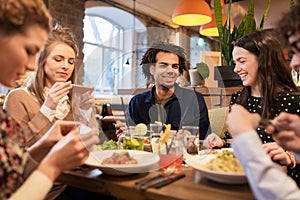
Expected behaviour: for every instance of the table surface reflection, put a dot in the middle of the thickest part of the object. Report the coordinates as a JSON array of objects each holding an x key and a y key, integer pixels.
[{"x": 193, "y": 186}]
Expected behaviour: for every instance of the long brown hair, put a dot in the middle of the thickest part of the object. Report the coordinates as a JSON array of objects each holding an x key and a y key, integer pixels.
[
  {"x": 274, "y": 75},
  {"x": 37, "y": 82}
]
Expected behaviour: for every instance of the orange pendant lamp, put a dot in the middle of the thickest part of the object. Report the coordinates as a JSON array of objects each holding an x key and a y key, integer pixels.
[
  {"x": 210, "y": 29},
  {"x": 192, "y": 13}
]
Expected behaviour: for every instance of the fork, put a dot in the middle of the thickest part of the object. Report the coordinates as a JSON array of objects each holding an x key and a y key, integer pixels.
[
  {"x": 163, "y": 176},
  {"x": 266, "y": 122}
]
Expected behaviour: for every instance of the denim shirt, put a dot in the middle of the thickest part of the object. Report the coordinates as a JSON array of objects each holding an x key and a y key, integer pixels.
[{"x": 185, "y": 107}]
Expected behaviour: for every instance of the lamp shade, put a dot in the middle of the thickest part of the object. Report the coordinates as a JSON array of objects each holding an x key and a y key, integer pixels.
[
  {"x": 191, "y": 13},
  {"x": 210, "y": 29}
]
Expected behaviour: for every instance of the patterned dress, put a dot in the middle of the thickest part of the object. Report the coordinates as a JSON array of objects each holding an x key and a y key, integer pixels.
[
  {"x": 289, "y": 103},
  {"x": 13, "y": 155}
]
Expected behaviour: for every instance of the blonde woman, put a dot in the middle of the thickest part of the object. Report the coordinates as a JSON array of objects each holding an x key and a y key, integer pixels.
[{"x": 48, "y": 95}]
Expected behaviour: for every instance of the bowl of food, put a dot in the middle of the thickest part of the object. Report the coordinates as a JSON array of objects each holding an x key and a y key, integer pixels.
[
  {"x": 218, "y": 165},
  {"x": 123, "y": 162}
]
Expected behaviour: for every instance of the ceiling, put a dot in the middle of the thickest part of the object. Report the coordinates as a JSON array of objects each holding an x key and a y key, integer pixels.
[{"x": 161, "y": 10}]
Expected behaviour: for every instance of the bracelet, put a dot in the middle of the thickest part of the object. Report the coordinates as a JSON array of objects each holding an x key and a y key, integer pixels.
[
  {"x": 293, "y": 161},
  {"x": 224, "y": 143}
]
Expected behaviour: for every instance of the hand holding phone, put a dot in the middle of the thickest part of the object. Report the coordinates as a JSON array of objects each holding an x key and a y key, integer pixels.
[
  {"x": 83, "y": 129},
  {"x": 81, "y": 89}
]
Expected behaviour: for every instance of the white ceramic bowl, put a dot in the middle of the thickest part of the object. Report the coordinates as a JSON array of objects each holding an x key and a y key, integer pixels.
[
  {"x": 147, "y": 161},
  {"x": 197, "y": 162}
]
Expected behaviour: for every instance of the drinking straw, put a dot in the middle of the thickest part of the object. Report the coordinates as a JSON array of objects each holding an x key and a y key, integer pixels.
[{"x": 170, "y": 145}]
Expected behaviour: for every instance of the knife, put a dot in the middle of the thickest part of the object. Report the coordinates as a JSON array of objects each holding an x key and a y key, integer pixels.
[
  {"x": 147, "y": 180},
  {"x": 166, "y": 182}
]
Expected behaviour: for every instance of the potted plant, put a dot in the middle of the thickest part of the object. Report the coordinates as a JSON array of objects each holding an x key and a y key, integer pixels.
[{"x": 224, "y": 74}]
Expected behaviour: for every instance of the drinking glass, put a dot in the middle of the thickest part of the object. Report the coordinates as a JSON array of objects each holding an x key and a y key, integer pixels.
[
  {"x": 133, "y": 142},
  {"x": 130, "y": 140},
  {"x": 190, "y": 136},
  {"x": 155, "y": 129},
  {"x": 170, "y": 154}
]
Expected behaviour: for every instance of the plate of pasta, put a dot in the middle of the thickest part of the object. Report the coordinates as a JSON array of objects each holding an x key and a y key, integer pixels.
[{"x": 218, "y": 165}]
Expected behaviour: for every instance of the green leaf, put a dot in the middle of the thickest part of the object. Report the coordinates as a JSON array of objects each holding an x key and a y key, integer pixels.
[
  {"x": 265, "y": 16},
  {"x": 202, "y": 69},
  {"x": 218, "y": 17},
  {"x": 247, "y": 25},
  {"x": 292, "y": 4}
]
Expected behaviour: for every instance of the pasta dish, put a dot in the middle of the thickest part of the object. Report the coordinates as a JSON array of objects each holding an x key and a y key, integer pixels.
[{"x": 225, "y": 161}]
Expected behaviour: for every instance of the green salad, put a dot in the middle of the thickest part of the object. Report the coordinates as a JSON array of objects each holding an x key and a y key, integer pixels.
[{"x": 106, "y": 145}]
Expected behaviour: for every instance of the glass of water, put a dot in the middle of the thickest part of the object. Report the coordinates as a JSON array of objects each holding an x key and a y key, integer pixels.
[{"x": 190, "y": 136}]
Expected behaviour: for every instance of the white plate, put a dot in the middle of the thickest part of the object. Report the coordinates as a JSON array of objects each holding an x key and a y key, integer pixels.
[
  {"x": 197, "y": 162},
  {"x": 146, "y": 162}
]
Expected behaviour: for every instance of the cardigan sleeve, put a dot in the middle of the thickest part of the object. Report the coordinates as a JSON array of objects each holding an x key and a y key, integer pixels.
[{"x": 26, "y": 111}]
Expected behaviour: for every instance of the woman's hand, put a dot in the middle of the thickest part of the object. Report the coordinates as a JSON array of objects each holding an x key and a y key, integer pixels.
[
  {"x": 57, "y": 92},
  {"x": 277, "y": 153},
  {"x": 59, "y": 129},
  {"x": 86, "y": 100},
  {"x": 289, "y": 135},
  {"x": 70, "y": 151},
  {"x": 120, "y": 128},
  {"x": 213, "y": 140},
  {"x": 239, "y": 120}
]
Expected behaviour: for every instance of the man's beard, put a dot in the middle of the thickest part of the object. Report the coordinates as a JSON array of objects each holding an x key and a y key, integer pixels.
[{"x": 171, "y": 85}]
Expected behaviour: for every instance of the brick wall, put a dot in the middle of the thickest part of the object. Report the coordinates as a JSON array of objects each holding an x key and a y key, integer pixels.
[{"x": 70, "y": 13}]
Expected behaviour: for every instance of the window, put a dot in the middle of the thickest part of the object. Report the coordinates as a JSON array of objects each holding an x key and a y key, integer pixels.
[
  {"x": 103, "y": 47},
  {"x": 109, "y": 39},
  {"x": 113, "y": 37},
  {"x": 197, "y": 45}
]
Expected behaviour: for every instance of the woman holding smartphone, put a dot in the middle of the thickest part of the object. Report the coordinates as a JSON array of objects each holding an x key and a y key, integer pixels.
[{"x": 48, "y": 95}]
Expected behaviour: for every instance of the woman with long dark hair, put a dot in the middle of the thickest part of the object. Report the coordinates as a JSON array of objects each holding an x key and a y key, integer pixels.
[{"x": 268, "y": 90}]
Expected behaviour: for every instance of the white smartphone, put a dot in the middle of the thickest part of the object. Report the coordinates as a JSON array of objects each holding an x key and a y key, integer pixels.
[
  {"x": 83, "y": 129},
  {"x": 82, "y": 89}
]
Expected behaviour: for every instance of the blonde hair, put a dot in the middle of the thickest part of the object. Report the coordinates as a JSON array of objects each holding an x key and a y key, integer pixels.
[
  {"x": 17, "y": 15},
  {"x": 37, "y": 82}
]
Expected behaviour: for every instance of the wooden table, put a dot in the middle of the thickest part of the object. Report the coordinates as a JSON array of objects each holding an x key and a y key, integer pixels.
[{"x": 193, "y": 186}]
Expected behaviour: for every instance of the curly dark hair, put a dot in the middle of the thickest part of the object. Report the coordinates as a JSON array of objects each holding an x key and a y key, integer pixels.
[
  {"x": 289, "y": 23},
  {"x": 149, "y": 57},
  {"x": 273, "y": 74}
]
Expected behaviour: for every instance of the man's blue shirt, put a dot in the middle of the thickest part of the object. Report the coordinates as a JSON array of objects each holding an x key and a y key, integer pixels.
[{"x": 185, "y": 107}]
